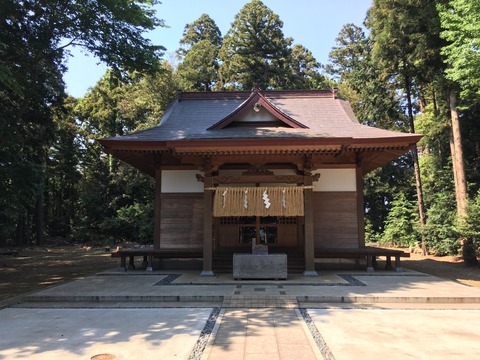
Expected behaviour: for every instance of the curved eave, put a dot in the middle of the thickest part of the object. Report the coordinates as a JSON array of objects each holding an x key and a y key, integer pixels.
[
  {"x": 118, "y": 144},
  {"x": 212, "y": 145},
  {"x": 373, "y": 153}
]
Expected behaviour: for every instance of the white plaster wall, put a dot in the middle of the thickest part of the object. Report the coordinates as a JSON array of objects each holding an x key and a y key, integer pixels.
[
  {"x": 181, "y": 181},
  {"x": 185, "y": 181},
  {"x": 336, "y": 180}
]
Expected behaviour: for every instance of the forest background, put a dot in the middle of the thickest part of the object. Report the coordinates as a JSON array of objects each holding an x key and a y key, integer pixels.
[{"x": 412, "y": 66}]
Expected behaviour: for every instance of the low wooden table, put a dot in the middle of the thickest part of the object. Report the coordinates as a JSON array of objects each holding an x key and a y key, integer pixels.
[
  {"x": 369, "y": 252},
  {"x": 149, "y": 254}
]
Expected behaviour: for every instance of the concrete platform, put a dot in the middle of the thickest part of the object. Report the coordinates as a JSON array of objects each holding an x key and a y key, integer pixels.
[{"x": 180, "y": 315}]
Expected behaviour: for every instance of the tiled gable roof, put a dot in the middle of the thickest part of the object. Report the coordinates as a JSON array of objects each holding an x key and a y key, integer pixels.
[
  {"x": 289, "y": 122},
  {"x": 309, "y": 113}
]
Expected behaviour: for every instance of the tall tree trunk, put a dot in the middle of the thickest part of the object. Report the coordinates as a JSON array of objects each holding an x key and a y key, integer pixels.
[
  {"x": 39, "y": 221},
  {"x": 20, "y": 236},
  {"x": 468, "y": 249},
  {"x": 39, "y": 199},
  {"x": 416, "y": 166},
  {"x": 457, "y": 159}
]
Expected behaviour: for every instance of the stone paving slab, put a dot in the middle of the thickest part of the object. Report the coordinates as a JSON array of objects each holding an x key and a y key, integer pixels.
[
  {"x": 259, "y": 333},
  {"x": 399, "y": 334},
  {"x": 50, "y": 334}
]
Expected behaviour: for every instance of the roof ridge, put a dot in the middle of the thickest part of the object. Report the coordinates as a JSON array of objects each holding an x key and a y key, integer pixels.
[{"x": 192, "y": 95}]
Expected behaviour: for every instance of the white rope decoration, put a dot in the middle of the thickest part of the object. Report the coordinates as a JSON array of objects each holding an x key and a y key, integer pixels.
[
  {"x": 259, "y": 201},
  {"x": 223, "y": 198},
  {"x": 266, "y": 200}
]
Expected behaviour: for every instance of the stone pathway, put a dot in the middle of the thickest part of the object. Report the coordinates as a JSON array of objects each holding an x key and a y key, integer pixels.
[{"x": 259, "y": 333}]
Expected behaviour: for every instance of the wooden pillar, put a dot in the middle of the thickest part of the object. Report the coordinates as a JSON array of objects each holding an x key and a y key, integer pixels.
[
  {"x": 207, "y": 226},
  {"x": 309, "y": 240},
  {"x": 157, "y": 209},
  {"x": 360, "y": 207}
]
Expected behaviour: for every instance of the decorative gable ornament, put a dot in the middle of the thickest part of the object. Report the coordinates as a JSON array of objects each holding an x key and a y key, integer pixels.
[{"x": 257, "y": 102}]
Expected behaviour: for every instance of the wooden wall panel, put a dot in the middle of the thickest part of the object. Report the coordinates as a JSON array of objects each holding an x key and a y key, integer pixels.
[
  {"x": 287, "y": 235},
  {"x": 335, "y": 220},
  {"x": 228, "y": 236},
  {"x": 182, "y": 221}
]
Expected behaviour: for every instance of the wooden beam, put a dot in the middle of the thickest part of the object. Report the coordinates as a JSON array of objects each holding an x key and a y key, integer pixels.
[
  {"x": 207, "y": 226},
  {"x": 309, "y": 239},
  {"x": 243, "y": 179},
  {"x": 360, "y": 206},
  {"x": 157, "y": 209}
]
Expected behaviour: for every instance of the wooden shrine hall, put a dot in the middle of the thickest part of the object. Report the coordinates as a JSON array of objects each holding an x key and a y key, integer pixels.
[{"x": 282, "y": 169}]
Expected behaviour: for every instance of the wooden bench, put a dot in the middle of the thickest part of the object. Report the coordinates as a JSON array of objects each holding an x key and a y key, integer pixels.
[
  {"x": 149, "y": 254},
  {"x": 369, "y": 253}
]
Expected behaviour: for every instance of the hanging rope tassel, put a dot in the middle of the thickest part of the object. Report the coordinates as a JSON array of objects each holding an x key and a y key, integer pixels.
[{"x": 258, "y": 201}]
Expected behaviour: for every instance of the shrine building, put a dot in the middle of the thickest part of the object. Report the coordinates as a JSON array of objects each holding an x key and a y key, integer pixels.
[{"x": 282, "y": 169}]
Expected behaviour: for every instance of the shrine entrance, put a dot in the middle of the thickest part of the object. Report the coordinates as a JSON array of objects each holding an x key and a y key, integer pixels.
[
  {"x": 249, "y": 216},
  {"x": 275, "y": 213},
  {"x": 239, "y": 233}
]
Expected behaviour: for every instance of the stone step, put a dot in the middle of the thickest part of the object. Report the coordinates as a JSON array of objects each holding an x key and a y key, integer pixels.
[
  {"x": 251, "y": 300},
  {"x": 368, "y": 299},
  {"x": 124, "y": 298}
]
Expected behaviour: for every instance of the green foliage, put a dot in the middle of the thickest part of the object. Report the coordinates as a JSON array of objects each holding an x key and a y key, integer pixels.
[
  {"x": 401, "y": 223},
  {"x": 460, "y": 21},
  {"x": 434, "y": 125},
  {"x": 469, "y": 229},
  {"x": 137, "y": 222},
  {"x": 374, "y": 101},
  {"x": 406, "y": 39},
  {"x": 306, "y": 71},
  {"x": 116, "y": 201},
  {"x": 471, "y": 146},
  {"x": 254, "y": 51},
  {"x": 199, "y": 50},
  {"x": 39, "y": 160},
  {"x": 63, "y": 175},
  {"x": 371, "y": 235},
  {"x": 440, "y": 231},
  {"x": 202, "y": 29},
  {"x": 143, "y": 98},
  {"x": 380, "y": 189},
  {"x": 199, "y": 69},
  {"x": 111, "y": 30}
]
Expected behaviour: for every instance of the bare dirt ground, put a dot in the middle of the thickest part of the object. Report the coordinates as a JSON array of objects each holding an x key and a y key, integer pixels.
[
  {"x": 24, "y": 270},
  {"x": 447, "y": 267}
]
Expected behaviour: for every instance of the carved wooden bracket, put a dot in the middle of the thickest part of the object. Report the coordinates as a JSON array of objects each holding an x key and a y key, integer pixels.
[
  {"x": 308, "y": 165},
  {"x": 207, "y": 166},
  {"x": 258, "y": 169},
  {"x": 249, "y": 179}
]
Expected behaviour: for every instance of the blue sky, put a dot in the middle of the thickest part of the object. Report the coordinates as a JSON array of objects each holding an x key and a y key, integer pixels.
[{"x": 312, "y": 23}]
